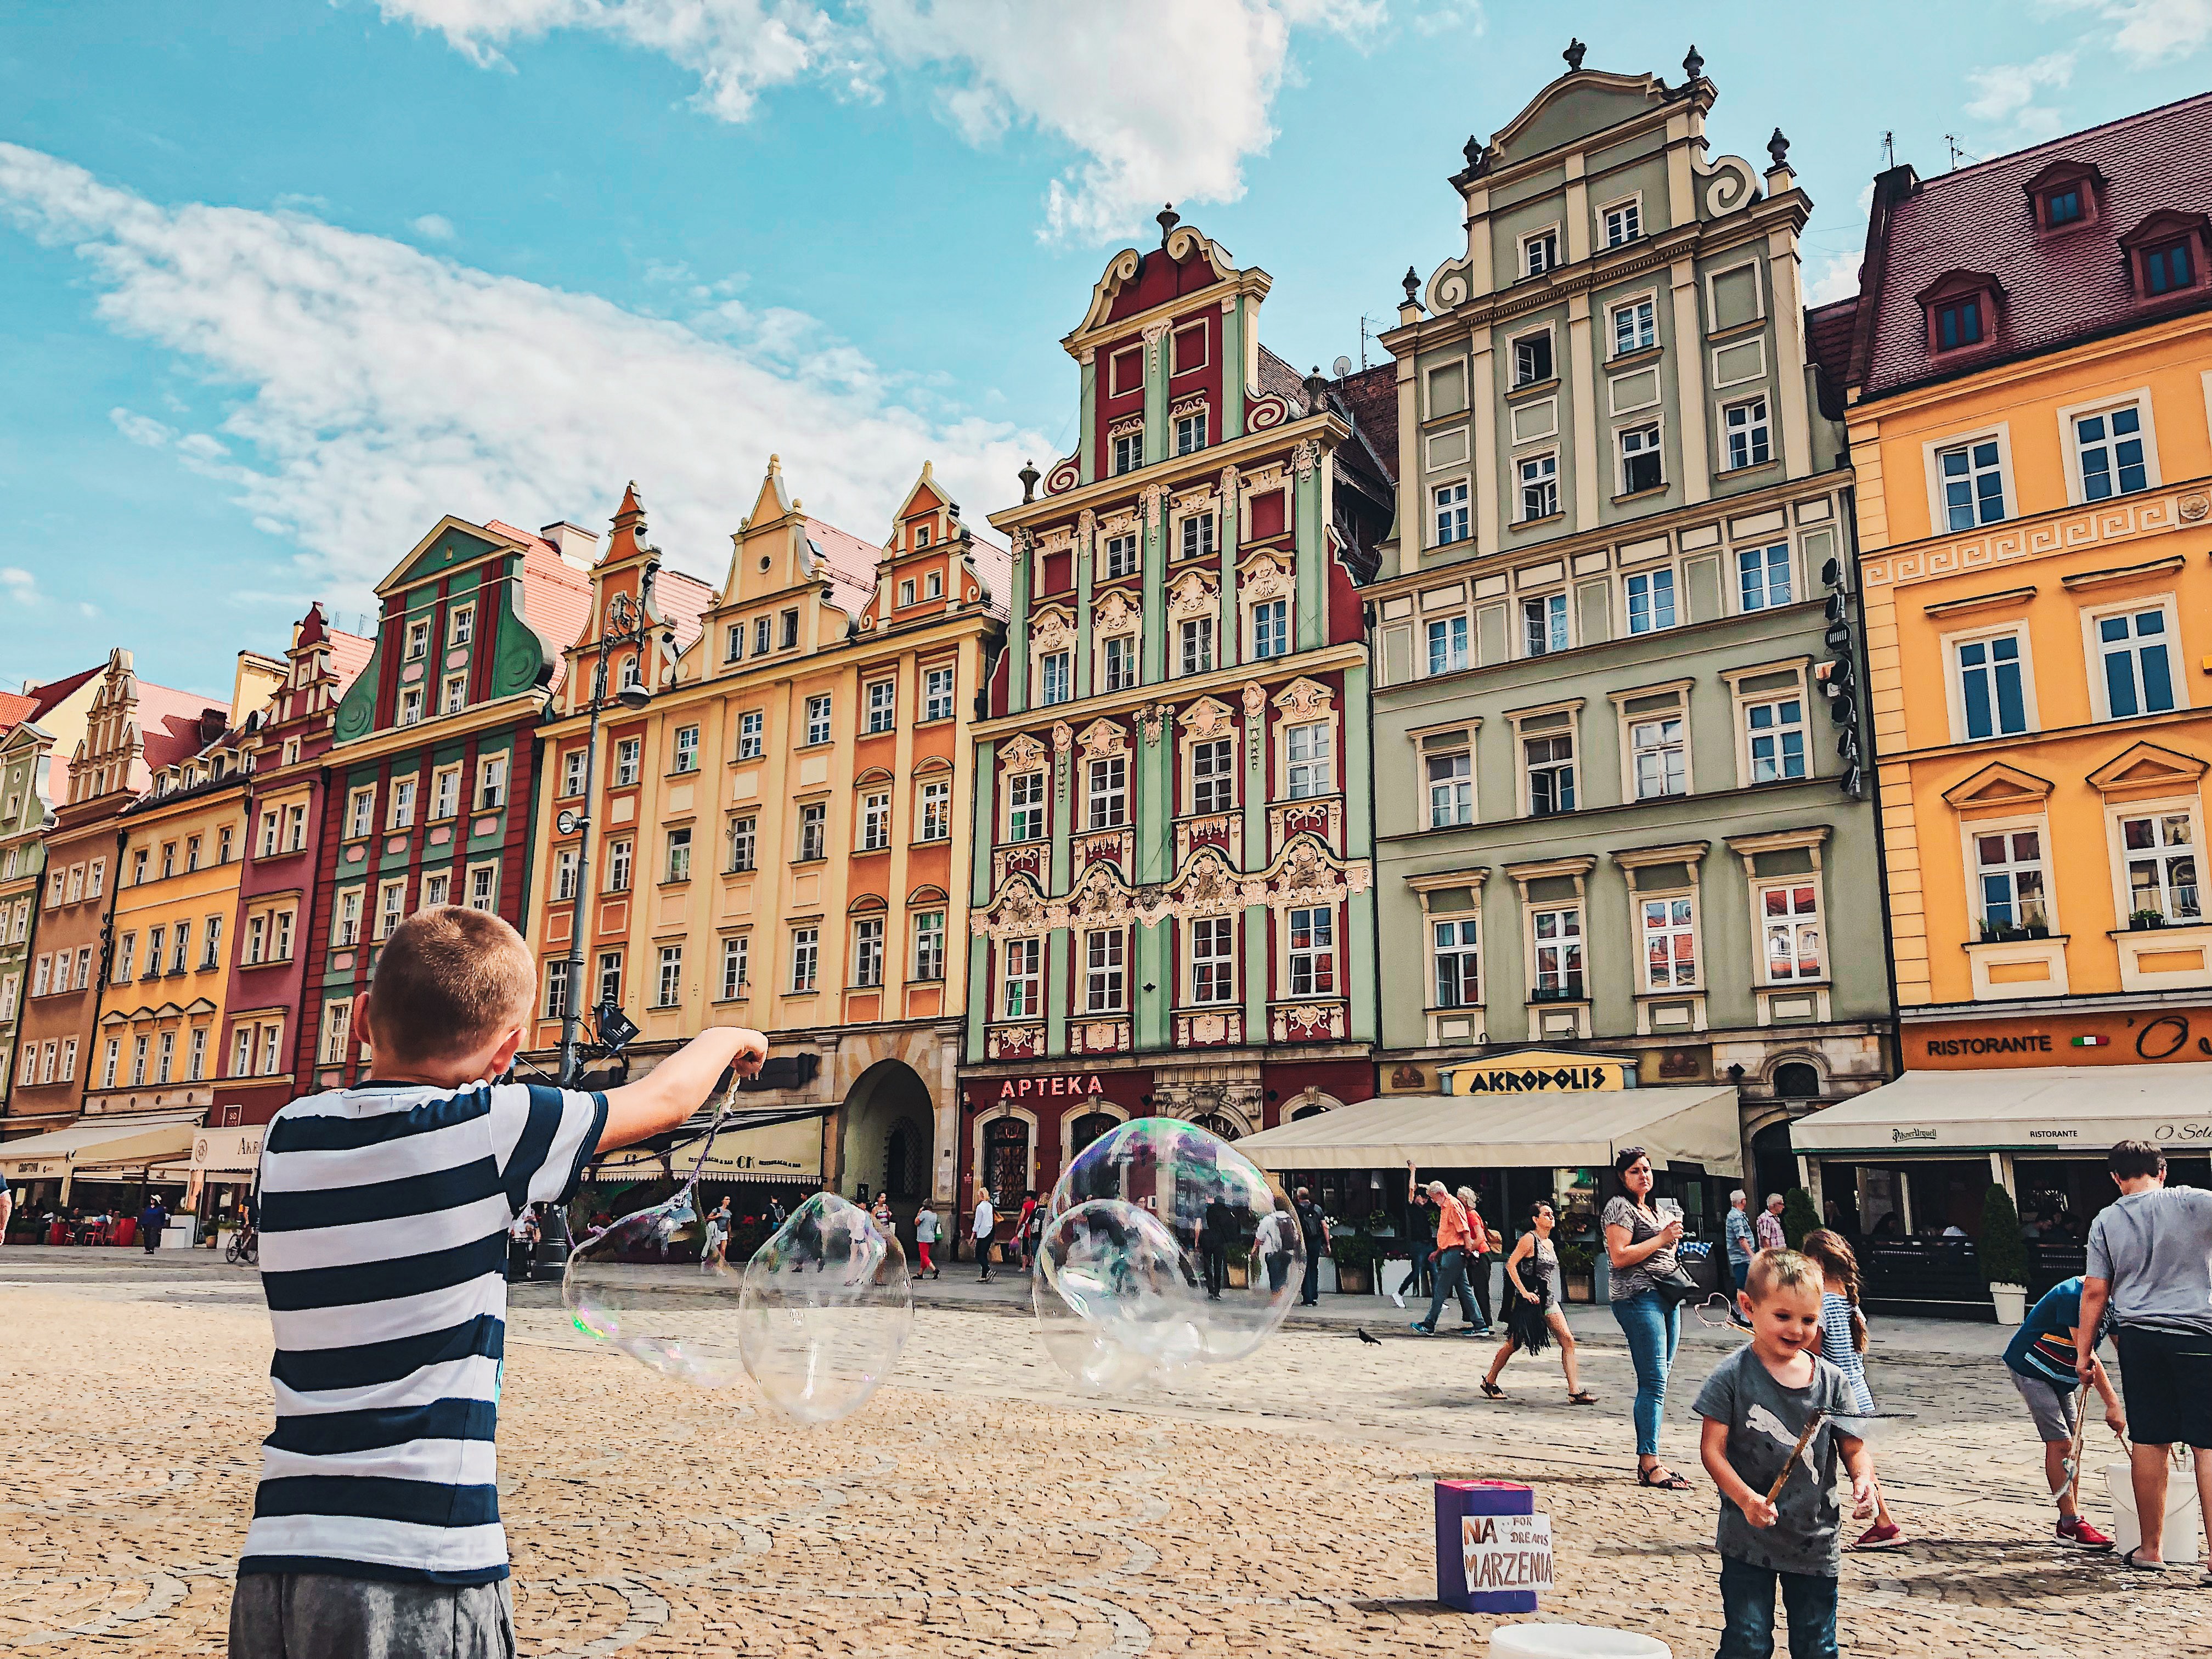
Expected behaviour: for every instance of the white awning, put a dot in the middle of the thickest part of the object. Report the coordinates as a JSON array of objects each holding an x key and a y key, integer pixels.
[
  {"x": 137, "y": 1139},
  {"x": 2060, "y": 1110},
  {"x": 231, "y": 1152},
  {"x": 789, "y": 1151},
  {"x": 1568, "y": 1130}
]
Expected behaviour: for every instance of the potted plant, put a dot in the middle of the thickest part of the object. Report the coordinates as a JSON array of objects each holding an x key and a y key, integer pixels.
[
  {"x": 1800, "y": 1216},
  {"x": 1576, "y": 1264},
  {"x": 2140, "y": 919},
  {"x": 1355, "y": 1254},
  {"x": 1239, "y": 1266},
  {"x": 2002, "y": 1255}
]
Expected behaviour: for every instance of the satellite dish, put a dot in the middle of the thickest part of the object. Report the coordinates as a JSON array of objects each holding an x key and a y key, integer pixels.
[{"x": 1341, "y": 366}]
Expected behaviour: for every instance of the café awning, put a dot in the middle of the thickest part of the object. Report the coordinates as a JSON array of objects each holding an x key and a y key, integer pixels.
[
  {"x": 139, "y": 1139},
  {"x": 2057, "y": 1110},
  {"x": 1570, "y": 1129},
  {"x": 787, "y": 1147}
]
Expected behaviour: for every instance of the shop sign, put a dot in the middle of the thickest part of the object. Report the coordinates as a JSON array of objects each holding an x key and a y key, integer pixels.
[
  {"x": 1028, "y": 1088},
  {"x": 773, "y": 1151},
  {"x": 39, "y": 1169},
  {"x": 1536, "y": 1071},
  {"x": 2103, "y": 1039},
  {"x": 228, "y": 1152}
]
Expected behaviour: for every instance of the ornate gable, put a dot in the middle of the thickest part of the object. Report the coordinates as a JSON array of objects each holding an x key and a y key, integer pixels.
[
  {"x": 2146, "y": 769},
  {"x": 1304, "y": 699},
  {"x": 1209, "y": 717},
  {"x": 1998, "y": 789}
]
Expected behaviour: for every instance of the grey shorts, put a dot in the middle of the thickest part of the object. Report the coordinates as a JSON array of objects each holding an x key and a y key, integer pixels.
[
  {"x": 318, "y": 1615},
  {"x": 2052, "y": 1409}
]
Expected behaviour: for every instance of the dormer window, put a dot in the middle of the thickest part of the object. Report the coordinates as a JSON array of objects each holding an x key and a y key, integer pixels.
[
  {"x": 2166, "y": 269},
  {"x": 1958, "y": 323},
  {"x": 2066, "y": 195},
  {"x": 2063, "y": 207},
  {"x": 2166, "y": 253},
  {"x": 1962, "y": 311},
  {"x": 921, "y": 535}
]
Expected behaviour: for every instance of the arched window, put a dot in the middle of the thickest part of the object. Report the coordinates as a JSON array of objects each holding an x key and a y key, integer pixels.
[
  {"x": 1088, "y": 1128},
  {"x": 906, "y": 1154},
  {"x": 1313, "y": 1110},
  {"x": 1796, "y": 1081},
  {"x": 1215, "y": 1124},
  {"x": 1006, "y": 1161}
]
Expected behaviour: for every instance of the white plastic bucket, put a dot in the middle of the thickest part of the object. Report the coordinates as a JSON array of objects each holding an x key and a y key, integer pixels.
[
  {"x": 1573, "y": 1642},
  {"x": 2184, "y": 1529}
]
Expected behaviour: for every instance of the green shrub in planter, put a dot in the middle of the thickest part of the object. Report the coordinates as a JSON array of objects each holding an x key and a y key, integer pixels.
[
  {"x": 1354, "y": 1250},
  {"x": 1576, "y": 1261},
  {"x": 2001, "y": 1250},
  {"x": 1800, "y": 1216}
]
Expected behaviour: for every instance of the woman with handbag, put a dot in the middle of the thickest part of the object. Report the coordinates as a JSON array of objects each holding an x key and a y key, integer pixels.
[
  {"x": 1533, "y": 1318},
  {"x": 1646, "y": 1283}
]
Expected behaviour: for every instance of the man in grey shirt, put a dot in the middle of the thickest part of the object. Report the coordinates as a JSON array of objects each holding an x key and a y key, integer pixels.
[{"x": 2150, "y": 1259}]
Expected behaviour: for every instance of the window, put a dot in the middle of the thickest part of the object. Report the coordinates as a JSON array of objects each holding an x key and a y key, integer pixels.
[
  {"x": 929, "y": 945},
  {"x": 390, "y": 905},
  {"x": 361, "y": 806},
  {"x": 790, "y": 634},
  {"x": 736, "y": 967},
  {"x": 157, "y": 939},
  {"x": 1451, "y": 508},
  {"x": 338, "y": 1023},
  {"x": 296, "y": 832},
  {"x": 1544, "y": 624},
  {"x": 733, "y": 643},
  {"x": 1214, "y": 775},
  {"x": 618, "y": 863},
  {"x": 2061, "y": 207},
  {"x": 669, "y": 990},
  {"x": 1019, "y": 979},
  {"x": 1108, "y": 792},
  {"x": 1539, "y": 252},
  {"x": 882, "y": 704},
  {"x": 1025, "y": 806},
  {"x": 1972, "y": 477},
  {"x": 348, "y": 931},
  {"x": 906, "y": 591},
  {"x": 818, "y": 720},
  {"x": 1458, "y": 962},
  {"x": 126, "y": 957},
  {"x": 1559, "y": 939},
  {"x": 1213, "y": 960},
  {"x": 1128, "y": 452},
  {"x": 1624, "y": 223},
  {"x": 1992, "y": 697},
  {"x": 1639, "y": 460},
  {"x": 211, "y": 942},
  {"x": 452, "y": 694},
  {"x": 1745, "y": 427},
  {"x": 2110, "y": 446},
  {"x": 2138, "y": 675},
  {"x": 2167, "y": 269},
  {"x": 1059, "y": 683},
  {"x": 1791, "y": 913},
  {"x": 565, "y": 870},
  {"x": 169, "y": 867},
  {"x": 1650, "y": 601},
  {"x": 744, "y": 845},
  {"x": 1532, "y": 358},
  {"x": 932, "y": 584},
  {"x": 937, "y": 694},
  {"x": 1307, "y": 749},
  {"x": 1270, "y": 627},
  {"x": 687, "y": 748},
  {"x": 2162, "y": 856},
  {"x": 1540, "y": 487},
  {"x": 95, "y": 879},
  {"x": 410, "y": 706},
  {"x": 1198, "y": 536},
  {"x": 1658, "y": 757},
  {"x": 110, "y": 1064},
  {"x": 1188, "y": 345},
  {"x": 1102, "y": 976},
  {"x": 556, "y": 1006},
  {"x": 1121, "y": 556},
  {"x": 445, "y": 793},
  {"x": 762, "y": 642},
  {"x": 491, "y": 783},
  {"x": 483, "y": 886},
  {"x": 418, "y": 638},
  {"x": 1776, "y": 734},
  {"x": 165, "y": 1056},
  {"x": 679, "y": 854},
  {"x": 137, "y": 871},
  {"x": 1190, "y": 433},
  {"x": 1959, "y": 323},
  {"x": 936, "y": 811},
  {"x": 1125, "y": 371},
  {"x": 2009, "y": 879},
  {"x": 191, "y": 854},
  {"x": 611, "y": 978},
  {"x": 750, "y": 726},
  {"x": 921, "y": 535},
  {"x": 1635, "y": 327},
  {"x": 629, "y": 761},
  {"x": 1763, "y": 576},
  {"x": 806, "y": 957},
  {"x": 1670, "y": 944},
  {"x": 1550, "y": 764},
  {"x": 401, "y": 812},
  {"x": 196, "y": 1066},
  {"x": 437, "y": 889},
  {"x": 138, "y": 1047},
  {"x": 875, "y": 822},
  {"x": 1196, "y": 642},
  {"x": 813, "y": 831},
  {"x": 1450, "y": 777},
  {"x": 1121, "y": 663}
]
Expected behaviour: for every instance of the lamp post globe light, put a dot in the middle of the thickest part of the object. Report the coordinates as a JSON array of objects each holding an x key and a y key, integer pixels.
[{"x": 627, "y": 624}]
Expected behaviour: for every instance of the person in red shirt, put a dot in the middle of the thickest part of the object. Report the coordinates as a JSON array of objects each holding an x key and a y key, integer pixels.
[{"x": 1452, "y": 1238}]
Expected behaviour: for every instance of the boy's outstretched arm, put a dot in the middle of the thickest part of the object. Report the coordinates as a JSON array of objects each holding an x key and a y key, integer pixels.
[
  {"x": 1712, "y": 1452},
  {"x": 673, "y": 1090}
]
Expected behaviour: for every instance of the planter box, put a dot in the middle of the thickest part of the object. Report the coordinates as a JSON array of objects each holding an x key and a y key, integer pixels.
[
  {"x": 1577, "y": 1287},
  {"x": 1354, "y": 1280},
  {"x": 1239, "y": 1275}
]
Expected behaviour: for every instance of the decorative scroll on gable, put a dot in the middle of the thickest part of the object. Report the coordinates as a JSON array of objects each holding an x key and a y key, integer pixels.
[
  {"x": 1209, "y": 717},
  {"x": 1023, "y": 753},
  {"x": 1116, "y": 615},
  {"x": 1304, "y": 699},
  {"x": 1194, "y": 594},
  {"x": 1052, "y": 630},
  {"x": 1102, "y": 737}
]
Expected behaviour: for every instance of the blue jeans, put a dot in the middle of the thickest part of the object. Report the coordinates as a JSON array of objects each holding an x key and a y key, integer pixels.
[
  {"x": 1451, "y": 1279},
  {"x": 1748, "y": 1613},
  {"x": 1654, "y": 1329},
  {"x": 1736, "y": 1269}
]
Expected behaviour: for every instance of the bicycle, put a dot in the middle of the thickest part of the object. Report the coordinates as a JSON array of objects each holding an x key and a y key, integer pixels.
[{"x": 245, "y": 1246}]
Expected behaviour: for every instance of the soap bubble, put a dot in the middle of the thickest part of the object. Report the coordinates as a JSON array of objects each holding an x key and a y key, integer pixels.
[
  {"x": 1224, "y": 1220},
  {"x": 1118, "y": 1301},
  {"x": 826, "y": 1307},
  {"x": 646, "y": 1285}
]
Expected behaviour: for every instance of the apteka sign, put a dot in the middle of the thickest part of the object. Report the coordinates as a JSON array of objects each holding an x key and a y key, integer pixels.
[{"x": 1506, "y": 1551}]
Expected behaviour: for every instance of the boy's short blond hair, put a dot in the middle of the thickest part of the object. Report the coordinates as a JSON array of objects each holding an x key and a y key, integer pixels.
[
  {"x": 448, "y": 981},
  {"x": 1776, "y": 1270}
]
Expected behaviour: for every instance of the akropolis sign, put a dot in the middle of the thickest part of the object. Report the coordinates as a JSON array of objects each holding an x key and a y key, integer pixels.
[{"x": 1536, "y": 1071}]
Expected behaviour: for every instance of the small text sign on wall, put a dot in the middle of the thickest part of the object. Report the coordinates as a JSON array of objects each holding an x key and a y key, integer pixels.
[
  {"x": 1537, "y": 1071},
  {"x": 1506, "y": 1551}
]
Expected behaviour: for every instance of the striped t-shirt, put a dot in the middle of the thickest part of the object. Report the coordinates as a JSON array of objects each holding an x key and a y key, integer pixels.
[{"x": 383, "y": 1216}]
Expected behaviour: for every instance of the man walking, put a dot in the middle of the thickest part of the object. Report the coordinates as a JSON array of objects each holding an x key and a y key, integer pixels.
[
  {"x": 1217, "y": 1232},
  {"x": 1452, "y": 1236},
  {"x": 1314, "y": 1227},
  {"x": 2150, "y": 1264},
  {"x": 1769, "y": 1227},
  {"x": 1737, "y": 1232},
  {"x": 986, "y": 1221},
  {"x": 152, "y": 1221}
]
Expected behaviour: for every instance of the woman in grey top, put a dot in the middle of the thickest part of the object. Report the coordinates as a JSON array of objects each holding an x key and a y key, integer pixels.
[
  {"x": 1534, "y": 1319},
  {"x": 1639, "y": 1246}
]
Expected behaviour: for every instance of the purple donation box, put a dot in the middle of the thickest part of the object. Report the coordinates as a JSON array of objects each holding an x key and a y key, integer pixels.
[{"x": 1493, "y": 1550}]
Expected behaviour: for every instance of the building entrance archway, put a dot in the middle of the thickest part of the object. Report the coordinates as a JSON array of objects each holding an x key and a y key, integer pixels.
[{"x": 884, "y": 1138}]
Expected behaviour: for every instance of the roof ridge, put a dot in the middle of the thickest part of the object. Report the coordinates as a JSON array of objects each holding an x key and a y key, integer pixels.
[{"x": 2012, "y": 156}]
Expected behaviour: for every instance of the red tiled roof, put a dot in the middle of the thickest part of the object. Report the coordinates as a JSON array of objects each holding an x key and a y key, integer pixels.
[
  {"x": 681, "y": 600},
  {"x": 556, "y": 597},
  {"x": 1828, "y": 331},
  {"x": 1276, "y": 379},
  {"x": 50, "y": 696},
  {"x": 1372, "y": 395},
  {"x": 349, "y": 654},
  {"x": 2058, "y": 286},
  {"x": 994, "y": 568},
  {"x": 849, "y": 565},
  {"x": 169, "y": 722},
  {"x": 16, "y": 708}
]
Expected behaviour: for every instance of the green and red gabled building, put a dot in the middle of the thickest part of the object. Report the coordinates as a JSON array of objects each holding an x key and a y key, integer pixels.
[{"x": 433, "y": 767}]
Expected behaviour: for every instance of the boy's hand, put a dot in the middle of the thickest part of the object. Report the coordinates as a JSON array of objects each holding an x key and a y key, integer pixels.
[
  {"x": 2116, "y": 1421},
  {"x": 1757, "y": 1511},
  {"x": 1864, "y": 1494},
  {"x": 752, "y": 1051}
]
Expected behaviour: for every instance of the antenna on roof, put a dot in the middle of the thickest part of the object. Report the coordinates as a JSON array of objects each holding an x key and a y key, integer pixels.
[
  {"x": 1888, "y": 149},
  {"x": 1957, "y": 153},
  {"x": 1341, "y": 367},
  {"x": 1366, "y": 333}
]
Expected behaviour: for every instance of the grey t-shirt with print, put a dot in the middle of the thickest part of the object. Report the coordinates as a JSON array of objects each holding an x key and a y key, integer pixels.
[
  {"x": 1763, "y": 1420},
  {"x": 2154, "y": 1248}
]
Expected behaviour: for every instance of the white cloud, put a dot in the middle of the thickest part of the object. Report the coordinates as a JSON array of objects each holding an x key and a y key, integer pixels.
[
  {"x": 2006, "y": 95},
  {"x": 434, "y": 226},
  {"x": 1446, "y": 16},
  {"x": 2149, "y": 31},
  {"x": 380, "y": 386},
  {"x": 19, "y": 585},
  {"x": 1171, "y": 97},
  {"x": 1836, "y": 276}
]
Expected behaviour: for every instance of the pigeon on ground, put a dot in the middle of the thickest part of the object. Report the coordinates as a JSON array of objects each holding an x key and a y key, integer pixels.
[{"x": 1372, "y": 1341}]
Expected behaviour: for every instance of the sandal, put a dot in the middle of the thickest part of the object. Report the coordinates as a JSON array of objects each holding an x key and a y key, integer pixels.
[
  {"x": 1582, "y": 1397},
  {"x": 2129, "y": 1560},
  {"x": 1492, "y": 1389},
  {"x": 1672, "y": 1482}
]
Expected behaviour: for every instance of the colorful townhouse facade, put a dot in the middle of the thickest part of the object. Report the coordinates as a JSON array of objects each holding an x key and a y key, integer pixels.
[
  {"x": 1170, "y": 888},
  {"x": 432, "y": 769},
  {"x": 2030, "y": 371},
  {"x": 1612, "y": 805},
  {"x": 777, "y": 837}
]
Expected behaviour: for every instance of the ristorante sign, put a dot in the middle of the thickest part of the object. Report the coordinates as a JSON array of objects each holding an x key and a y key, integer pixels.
[
  {"x": 2116, "y": 1038},
  {"x": 1537, "y": 1072}
]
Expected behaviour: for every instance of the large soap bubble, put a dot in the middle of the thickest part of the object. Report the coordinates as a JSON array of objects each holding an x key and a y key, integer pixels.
[
  {"x": 825, "y": 1308},
  {"x": 651, "y": 1287},
  {"x": 1225, "y": 1222}
]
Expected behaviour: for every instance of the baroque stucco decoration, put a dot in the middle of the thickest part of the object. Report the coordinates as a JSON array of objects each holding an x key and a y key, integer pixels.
[
  {"x": 1209, "y": 717},
  {"x": 1194, "y": 595},
  {"x": 1116, "y": 616},
  {"x": 1303, "y": 873}
]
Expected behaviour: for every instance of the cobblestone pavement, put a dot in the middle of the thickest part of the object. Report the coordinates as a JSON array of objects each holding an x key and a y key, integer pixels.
[{"x": 1280, "y": 1507}]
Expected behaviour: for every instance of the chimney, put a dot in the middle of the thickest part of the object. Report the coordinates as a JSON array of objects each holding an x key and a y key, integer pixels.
[{"x": 577, "y": 545}]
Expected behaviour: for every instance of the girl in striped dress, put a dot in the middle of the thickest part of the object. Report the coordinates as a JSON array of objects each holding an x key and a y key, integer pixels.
[{"x": 1843, "y": 1344}]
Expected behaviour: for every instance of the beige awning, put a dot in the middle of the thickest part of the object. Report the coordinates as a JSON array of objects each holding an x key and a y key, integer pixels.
[
  {"x": 2059, "y": 1110},
  {"x": 231, "y": 1152},
  {"x": 770, "y": 1152},
  {"x": 1568, "y": 1130},
  {"x": 137, "y": 1139}
]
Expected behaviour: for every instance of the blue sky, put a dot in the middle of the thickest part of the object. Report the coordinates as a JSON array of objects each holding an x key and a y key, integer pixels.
[{"x": 286, "y": 281}]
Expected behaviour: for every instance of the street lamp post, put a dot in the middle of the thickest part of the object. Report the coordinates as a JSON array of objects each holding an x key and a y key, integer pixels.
[{"x": 626, "y": 624}]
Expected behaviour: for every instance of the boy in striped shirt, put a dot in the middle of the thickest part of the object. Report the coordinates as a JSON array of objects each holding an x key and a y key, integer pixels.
[{"x": 384, "y": 1210}]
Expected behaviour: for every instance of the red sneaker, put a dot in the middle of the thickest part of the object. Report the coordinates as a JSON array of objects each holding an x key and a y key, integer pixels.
[
  {"x": 2078, "y": 1534},
  {"x": 1881, "y": 1537}
]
